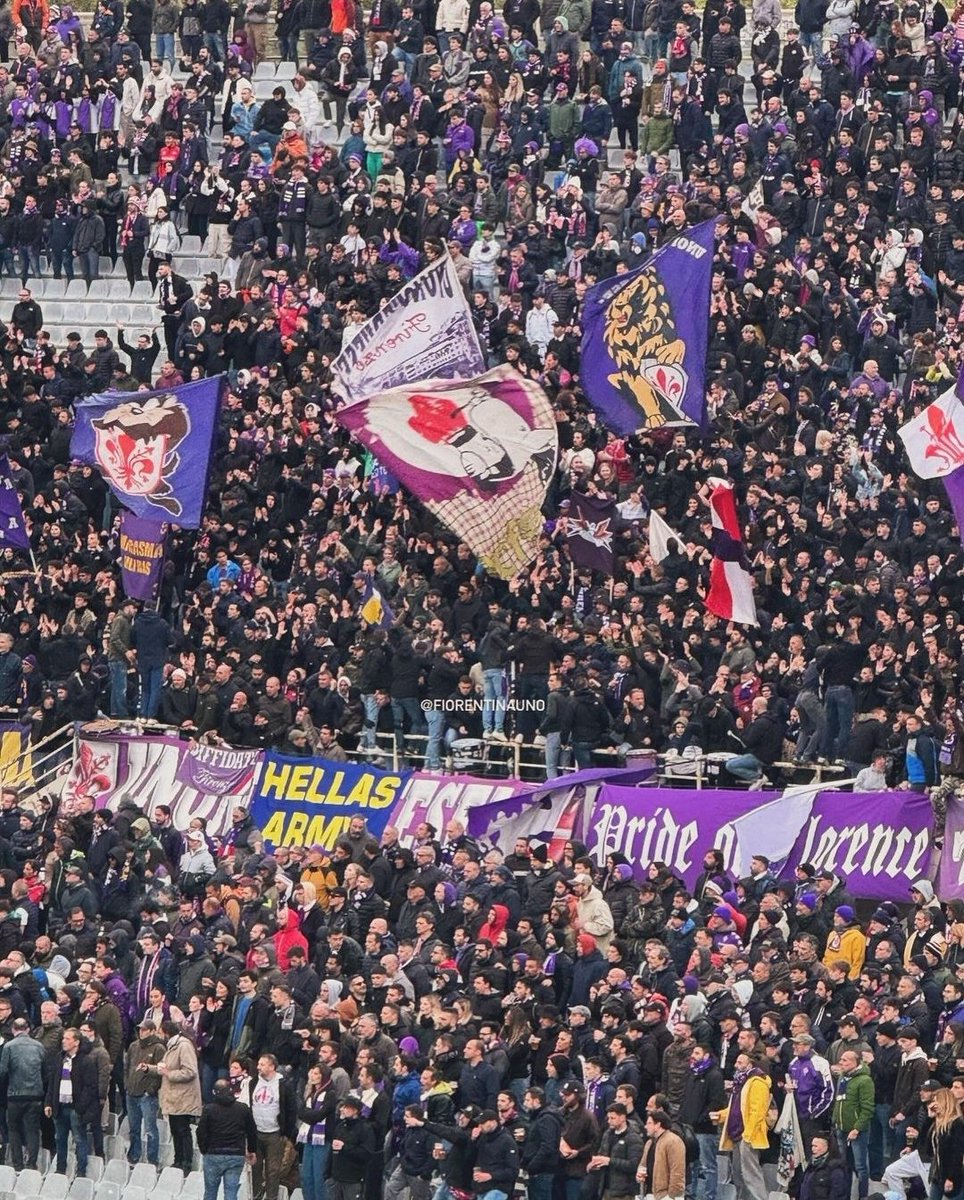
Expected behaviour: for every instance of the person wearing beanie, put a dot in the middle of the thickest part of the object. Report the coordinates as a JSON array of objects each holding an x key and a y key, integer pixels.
[
  {"x": 589, "y": 968},
  {"x": 846, "y": 942},
  {"x": 811, "y": 918},
  {"x": 619, "y": 892},
  {"x": 810, "y": 1079}
]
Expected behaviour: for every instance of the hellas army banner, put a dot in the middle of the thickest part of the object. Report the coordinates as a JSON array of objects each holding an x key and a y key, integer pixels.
[{"x": 310, "y": 802}]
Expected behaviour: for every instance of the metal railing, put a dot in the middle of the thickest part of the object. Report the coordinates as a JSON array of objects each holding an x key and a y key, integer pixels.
[
  {"x": 509, "y": 759},
  {"x": 39, "y": 763}
]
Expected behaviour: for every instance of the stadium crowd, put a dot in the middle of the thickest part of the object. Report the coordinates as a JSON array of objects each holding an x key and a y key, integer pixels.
[
  {"x": 828, "y": 152},
  {"x": 442, "y": 1018},
  {"x": 457, "y": 1021}
]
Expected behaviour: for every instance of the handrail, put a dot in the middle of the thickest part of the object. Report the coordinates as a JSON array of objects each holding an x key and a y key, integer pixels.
[
  {"x": 520, "y": 762},
  {"x": 11, "y": 772}
]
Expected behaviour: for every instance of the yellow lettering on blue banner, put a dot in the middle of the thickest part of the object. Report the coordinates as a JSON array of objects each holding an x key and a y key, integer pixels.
[{"x": 311, "y": 803}]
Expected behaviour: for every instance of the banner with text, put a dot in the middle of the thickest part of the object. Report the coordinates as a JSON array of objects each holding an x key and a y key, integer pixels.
[
  {"x": 141, "y": 555},
  {"x": 308, "y": 802},
  {"x": 425, "y": 331},
  {"x": 879, "y": 843}
]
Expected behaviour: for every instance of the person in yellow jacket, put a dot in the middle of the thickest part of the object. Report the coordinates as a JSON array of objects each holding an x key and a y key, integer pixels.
[
  {"x": 745, "y": 1128},
  {"x": 846, "y": 942}
]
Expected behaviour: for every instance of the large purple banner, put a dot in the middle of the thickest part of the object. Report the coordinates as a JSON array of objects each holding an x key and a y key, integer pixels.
[{"x": 879, "y": 843}]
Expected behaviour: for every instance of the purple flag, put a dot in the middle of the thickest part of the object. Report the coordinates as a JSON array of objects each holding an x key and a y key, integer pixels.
[
  {"x": 141, "y": 556},
  {"x": 954, "y": 486},
  {"x": 950, "y": 879},
  {"x": 479, "y": 455},
  {"x": 13, "y": 531},
  {"x": 153, "y": 448},
  {"x": 589, "y": 528},
  {"x": 217, "y": 770},
  {"x": 644, "y": 338},
  {"x": 880, "y": 843}
]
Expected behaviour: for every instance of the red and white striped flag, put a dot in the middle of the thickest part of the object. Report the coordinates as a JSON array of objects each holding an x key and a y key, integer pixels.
[{"x": 731, "y": 585}]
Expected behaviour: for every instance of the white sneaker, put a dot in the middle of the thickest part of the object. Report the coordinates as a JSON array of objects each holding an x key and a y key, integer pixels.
[
  {"x": 759, "y": 784},
  {"x": 498, "y": 736}
]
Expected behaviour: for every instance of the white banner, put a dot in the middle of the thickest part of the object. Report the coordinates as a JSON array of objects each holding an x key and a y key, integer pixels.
[{"x": 424, "y": 332}]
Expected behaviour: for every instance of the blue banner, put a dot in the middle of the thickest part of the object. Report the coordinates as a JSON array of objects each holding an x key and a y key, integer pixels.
[
  {"x": 644, "y": 339},
  {"x": 311, "y": 802},
  {"x": 153, "y": 448}
]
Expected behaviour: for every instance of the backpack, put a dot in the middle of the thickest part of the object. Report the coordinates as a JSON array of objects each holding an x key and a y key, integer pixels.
[{"x": 690, "y": 1141}]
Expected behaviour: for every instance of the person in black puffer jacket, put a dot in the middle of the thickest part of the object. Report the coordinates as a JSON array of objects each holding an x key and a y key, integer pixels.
[{"x": 226, "y": 1126}]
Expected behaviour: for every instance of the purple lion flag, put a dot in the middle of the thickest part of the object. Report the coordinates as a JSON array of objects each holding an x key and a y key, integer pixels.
[
  {"x": 13, "y": 530},
  {"x": 644, "y": 338},
  {"x": 141, "y": 556},
  {"x": 479, "y": 455},
  {"x": 153, "y": 448},
  {"x": 589, "y": 529}
]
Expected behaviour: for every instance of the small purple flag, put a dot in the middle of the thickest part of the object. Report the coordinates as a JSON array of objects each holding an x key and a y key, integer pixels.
[
  {"x": 589, "y": 528},
  {"x": 13, "y": 530},
  {"x": 643, "y": 361},
  {"x": 141, "y": 555},
  {"x": 954, "y": 485}
]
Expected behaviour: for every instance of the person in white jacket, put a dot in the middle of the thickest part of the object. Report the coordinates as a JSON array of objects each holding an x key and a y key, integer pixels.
[
  {"x": 305, "y": 100},
  {"x": 158, "y": 78},
  {"x": 452, "y": 16},
  {"x": 163, "y": 241},
  {"x": 484, "y": 256},
  {"x": 129, "y": 98},
  {"x": 539, "y": 322},
  {"x": 593, "y": 914}
]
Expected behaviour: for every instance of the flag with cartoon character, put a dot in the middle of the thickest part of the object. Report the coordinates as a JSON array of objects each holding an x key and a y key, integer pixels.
[
  {"x": 645, "y": 333},
  {"x": 479, "y": 455},
  {"x": 153, "y": 448}
]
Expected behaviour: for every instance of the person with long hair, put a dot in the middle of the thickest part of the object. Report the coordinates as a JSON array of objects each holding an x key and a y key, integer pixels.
[
  {"x": 317, "y": 1106},
  {"x": 947, "y": 1142},
  {"x": 515, "y": 1034}
]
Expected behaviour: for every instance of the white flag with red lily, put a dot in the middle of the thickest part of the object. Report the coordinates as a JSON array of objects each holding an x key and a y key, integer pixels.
[{"x": 934, "y": 438}]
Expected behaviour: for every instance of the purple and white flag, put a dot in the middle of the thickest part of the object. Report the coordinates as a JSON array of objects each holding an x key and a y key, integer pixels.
[
  {"x": 589, "y": 530},
  {"x": 479, "y": 455},
  {"x": 217, "y": 770},
  {"x": 425, "y": 331}
]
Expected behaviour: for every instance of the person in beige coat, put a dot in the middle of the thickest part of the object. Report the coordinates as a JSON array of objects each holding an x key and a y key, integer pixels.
[
  {"x": 662, "y": 1168},
  {"x": 180, "y": 1093},
  {"x": 593, "y": 914}
]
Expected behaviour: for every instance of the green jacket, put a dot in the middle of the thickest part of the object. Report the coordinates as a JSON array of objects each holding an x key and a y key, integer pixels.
[
  {"x": 657, "y": 135},
  {"x": 853, "y": 1107},
  {"x": 563, "y": 118}
]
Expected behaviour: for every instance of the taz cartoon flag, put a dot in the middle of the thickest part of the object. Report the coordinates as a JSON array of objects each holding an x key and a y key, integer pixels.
[
  {"x": 934, "y": 441},
  {"x": 643, "y": 361},
  {"x": 731, "y": 585},
  {"x": 589, "y": 528},
  {"x": 479, "y": 455},
  {"x": 153, "y": 448}
]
